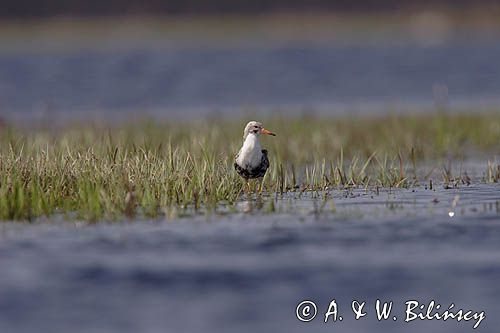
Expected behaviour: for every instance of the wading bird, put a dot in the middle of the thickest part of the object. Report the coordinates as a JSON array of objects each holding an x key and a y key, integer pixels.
[{"x": 251, "y": 162}]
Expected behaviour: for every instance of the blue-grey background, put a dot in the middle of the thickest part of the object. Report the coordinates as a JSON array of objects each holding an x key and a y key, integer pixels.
[{"x": 329, "y": 79}]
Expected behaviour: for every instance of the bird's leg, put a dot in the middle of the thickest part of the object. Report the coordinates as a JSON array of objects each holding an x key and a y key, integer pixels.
[
  {"x": 247, "y": 187},
  {"x": 251, "y": 189},
  {"x": 260, "y": 180}
]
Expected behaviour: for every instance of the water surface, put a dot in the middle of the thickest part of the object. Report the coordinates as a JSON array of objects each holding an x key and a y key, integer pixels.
[
  {"x": 166, "y": 80},
  {"x": 246, "y": 272}
]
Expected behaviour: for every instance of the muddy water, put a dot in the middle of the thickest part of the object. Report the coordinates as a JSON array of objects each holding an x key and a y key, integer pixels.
[{"x": 247, "y": 271}]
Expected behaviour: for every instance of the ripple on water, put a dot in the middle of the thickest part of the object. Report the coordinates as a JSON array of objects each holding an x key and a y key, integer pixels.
[{"x": 247, "y": 271}]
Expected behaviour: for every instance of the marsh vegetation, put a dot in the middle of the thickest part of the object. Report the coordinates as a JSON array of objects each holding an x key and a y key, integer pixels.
[{"x": 95, "y": 172}]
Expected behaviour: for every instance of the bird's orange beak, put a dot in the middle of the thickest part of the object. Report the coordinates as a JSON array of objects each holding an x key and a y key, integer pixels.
[{"x": 268, "y": 132}]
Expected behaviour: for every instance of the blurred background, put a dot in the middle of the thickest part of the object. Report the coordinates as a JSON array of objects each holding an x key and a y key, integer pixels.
[{"x": 119, "y": 60}]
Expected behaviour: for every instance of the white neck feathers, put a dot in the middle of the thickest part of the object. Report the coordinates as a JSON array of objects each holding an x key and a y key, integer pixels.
[{"x": 250, "y": 154}]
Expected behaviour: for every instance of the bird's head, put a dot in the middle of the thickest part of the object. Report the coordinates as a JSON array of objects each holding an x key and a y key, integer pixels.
[{"x": 254, "y": 127}]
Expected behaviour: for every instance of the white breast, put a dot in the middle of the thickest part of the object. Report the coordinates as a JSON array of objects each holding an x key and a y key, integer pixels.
[{"x": 250, "y": 154}]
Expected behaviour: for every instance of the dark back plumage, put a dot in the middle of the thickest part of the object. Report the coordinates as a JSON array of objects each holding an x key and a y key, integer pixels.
[{"x": 257, "y": 172}]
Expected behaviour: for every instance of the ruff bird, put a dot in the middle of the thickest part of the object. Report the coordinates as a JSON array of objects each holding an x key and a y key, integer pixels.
[{"x": 252, "y": 162}]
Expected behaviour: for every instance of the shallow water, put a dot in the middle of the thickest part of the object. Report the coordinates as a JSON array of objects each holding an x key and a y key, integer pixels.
[
  {"x": 246, "y": 272},
  {"x": 168, "y": 81}
]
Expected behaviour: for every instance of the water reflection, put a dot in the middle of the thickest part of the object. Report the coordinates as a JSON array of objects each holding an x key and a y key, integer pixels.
[{"x": 461, "y": 202}]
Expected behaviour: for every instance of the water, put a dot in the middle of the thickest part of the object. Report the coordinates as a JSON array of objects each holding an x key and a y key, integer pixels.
[
  {"x": 246, "y": 272},
  {"x": 166, "y": 80}
]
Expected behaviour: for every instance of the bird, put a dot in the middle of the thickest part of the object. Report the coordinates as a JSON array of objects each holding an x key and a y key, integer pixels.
[{"x": 252, "y": 162}]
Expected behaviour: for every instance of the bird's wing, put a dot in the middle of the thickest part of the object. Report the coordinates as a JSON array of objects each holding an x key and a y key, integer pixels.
[{"x": 264, "y": 162}]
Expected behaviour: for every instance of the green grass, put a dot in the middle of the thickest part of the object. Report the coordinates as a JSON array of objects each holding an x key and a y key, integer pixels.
[{"x": 104, "y": 172}]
